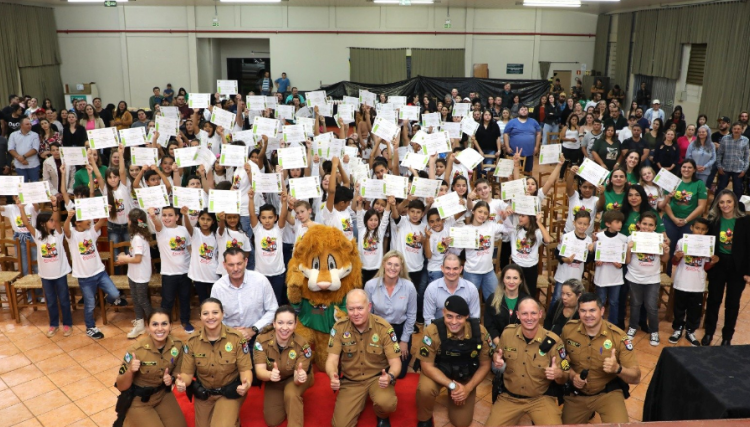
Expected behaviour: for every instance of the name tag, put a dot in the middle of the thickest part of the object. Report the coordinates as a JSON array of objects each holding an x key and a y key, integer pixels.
[
  {"x": 199, "y": 354},
  {"x": 148, "y": 363}
]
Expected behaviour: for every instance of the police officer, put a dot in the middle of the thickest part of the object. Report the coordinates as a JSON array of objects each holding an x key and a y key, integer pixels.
[
  {"x": 531, "y": 358},
  {"x": 282, "y": 360},
  {"x": 455, "y": 353},
  {"x": 145, "y": 377},
  {"x": 602, "y": 364},
  {"x": 370, "y": 358},
  {"x": 220, "y": 359}
]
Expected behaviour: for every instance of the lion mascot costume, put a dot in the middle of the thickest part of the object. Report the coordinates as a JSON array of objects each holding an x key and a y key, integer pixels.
[{"x": 325, "y": 266}]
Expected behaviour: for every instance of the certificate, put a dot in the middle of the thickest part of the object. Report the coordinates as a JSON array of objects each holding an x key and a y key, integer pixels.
[
  {"x": 91, "y": 208},
  {"x": 372, "y": 188},
  {"x": 388, "y": 115},
  {"x": 233, "y": 155},
  {"x": 167, "y": 126},
  {"x": 470, "y": 158},
  {"x": 667, "y": 180},
  {"x": 512, "y": 189},
  {"x": 504, "y": 168},
  {"x": 592, "y": 172},
  {"x": 698, "y": 245},
  {"x": 610, "y": 251},
  {"x": 321, "y": 142},
  {"x": 226, "y": 87},
  {"x": 133, "y": 136},
  {"x": 205, "y": 157},
  {"x": 409, "y": 112},
  {"x": 469, "y": 126},
  {"x": 448, "y": 205},
  {"x": 326, "y": 110},
  {"x": 272, "y": 102},
  {"x": 190, "y": 197},
  {"x": 162, "y": 140},
  {"x": 367, "y": 98},
  {"x": 436, "y": 143},
  {"x": 307, "y": 124},
  {"x": 453, "y": 129},
  {"x": 199, "y": 100},
  {"x": 464, "y": 237},
  {"x": 172, "y": 112},
  {"x": 316, "y": 98},
  {"x": 245, "y": 136},
  {"x": 384, "y": 128},
  {"x": 461, "y": 110},
  {"x": 285, "y": 112},
  {"x": 143, "y": 156},
  {"x": 267, "y": 183},
  {"x": 422, "y": 187},
  {"x": 294, "y": 133},
  {"x": 185, "y": 157},
  {"x": 223, "y": 118},
  {"x": 227, "y": 201},
  {"x": 549, "y": 154},
  {"x": 71, "y": 156},
  {"x": 746, "y": 201},
  {"x": 346, "y": 112},
  {"x": 292, "y": 157},
  {"x": 305, "y": 188},
  {"x": 336, "y": 148},
  {"x": 351, "y": 100},
  {"x": 303, "y": 112},
  {"x": 351, "y": 151},
  {"x": 431, "y": 120},
  {"x": 9, "y": 183},
  {"x": 647, "y": 243},
  {"x": 256, "y": 102},
  {"x": 152, "y": 197},
  {"x": 524, "y": 205},
  {"x": 264, "y": 126},
  {"x": 573, "y": 246},
  {"x": 415, "y": 161},
  {"x": 34, "y": 192},
  {"x": 103, "y": 138},
  {"x": 395, "y": 185},
  {"x": 398, "y": 102}
]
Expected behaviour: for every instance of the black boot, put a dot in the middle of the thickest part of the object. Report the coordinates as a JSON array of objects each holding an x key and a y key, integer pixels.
[
  {"x": 706, "y": 341},
  {"x": 726, "y": 341},
  {"x": 427, "y": 423},
  {"x": 384, "y": 422}
]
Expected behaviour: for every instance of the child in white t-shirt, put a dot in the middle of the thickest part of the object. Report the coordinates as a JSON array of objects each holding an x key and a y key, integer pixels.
[
  {"x": 336, "y": 211},
  {"x": 139, "y": 269},
  {"x": 20, "y": 232},
  {"x": 372, "y": 228},
  {"x": 204, "y": 260},
  {"x": 300, "y": 218},
  {"x": 267, "y": 231},
  {"x": 527, "y": 233},
  {"x": 478, "y": 268},
  {"x": 570, "y": 267},
  {"x": 608, "y": 277},
  {"x": 437, "y": 242},
  {"x": 230, "y": 235}
]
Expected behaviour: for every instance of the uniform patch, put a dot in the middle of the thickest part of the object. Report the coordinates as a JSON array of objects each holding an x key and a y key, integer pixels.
[
  {"x": 562, "y": 353},
  {"x": 185, "y": 349},
  {"x": 474, "y": 354},
  {"x": 307, "y": 351},
  {"x": 392, "y": 333},
  {"x": 375, "y": 338},
  {"x": 174, "y": 352},
  {"x": 228, "y": 347},
  {"x": 330, "y": 342},
  {"x": 396, "y": 348},
  {"x": 424, "y": 352},
  {"x": 607, "y": 345},
  {"x": 333, "y": 332},
  {"x": 148, "y": 363},
  {"x": 123, "y": 369},
  {"x": 565, "y": 365},
  {"x": 258, "y": 346},
  {"x": 427, "y": 340},
  {"x": 128, "y": 357},
  {"x": 347, "y": 334},
  {"x": 292, "y": 354},
  {"x": 573, "y": 343},
  {"x": 628, "y": 344},
  {"x": 246, "y": 347}
]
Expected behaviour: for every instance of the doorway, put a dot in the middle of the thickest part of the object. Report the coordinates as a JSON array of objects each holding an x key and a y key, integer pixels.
[
  {"x": 565, "y": 77},
  {"x": 248, "y": 72}
]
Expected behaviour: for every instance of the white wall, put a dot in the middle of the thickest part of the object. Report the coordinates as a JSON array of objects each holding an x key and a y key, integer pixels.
[{"x": 126, "y": 65}]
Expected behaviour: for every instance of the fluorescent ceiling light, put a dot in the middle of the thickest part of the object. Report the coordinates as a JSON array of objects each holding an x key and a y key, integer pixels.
[
  {"x": 552, "y": 3},
  {"x": 601, "y": 1},
  {"x": 94, "y": 1},
  {"x": 250, "y": 1},
  {"x": 398, "y": 1}
]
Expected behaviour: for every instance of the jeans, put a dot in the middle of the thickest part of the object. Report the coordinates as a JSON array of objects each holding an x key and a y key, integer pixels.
[
  {"x": 487, "y": 161},
  {"x": 485, "y": 283},
  {"x": 245, "y": 223},
  {"x": 611, "y": 293},
  {"x": 721, "y": 275},
  {"x": 88, "y": 286},
  {"x": 141, "y": 300},
  {"x": 736, "y": 183},
  {"x": 398, "y": 329},
  {"x": 171, "y": 287},
  {"x": 648, "y": 295},
  {"x": 555, "y": 296},
  {"x": 279, "y": 288},
  {"x": 29, "y": 174},
  {"x": 674, "y": 233},
  {"x": 433, "y": 275},
  {"x": 529, "y": 165},
  {"x": 57, "y": 291},
  {"x": 554, "y": 129},
  {"x": 23, "y": 238}
]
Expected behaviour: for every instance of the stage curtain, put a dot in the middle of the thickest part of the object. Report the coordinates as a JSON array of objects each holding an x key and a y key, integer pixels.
[
  {"x": 438, "y": 62},
  {"x": 377, "y": 65}
]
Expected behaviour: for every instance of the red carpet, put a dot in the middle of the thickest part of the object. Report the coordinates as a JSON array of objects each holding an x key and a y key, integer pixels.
[{"x": 319, "y": 402}]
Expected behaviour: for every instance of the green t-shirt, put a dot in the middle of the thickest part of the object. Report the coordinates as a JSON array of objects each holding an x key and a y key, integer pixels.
[
  {"x": 686, "y": 197},
  {"x": 82, "y": 176},
  {"x": 607, "y": 153},
  {"x": 726, "y": 233},
  {"x": 629, "y": 225},
  {"x": 511, "y": 303},
  {"x": 318, "y": 318},
  {"x": 612, "y": 201},
  {"x": 632, "y": 179}
]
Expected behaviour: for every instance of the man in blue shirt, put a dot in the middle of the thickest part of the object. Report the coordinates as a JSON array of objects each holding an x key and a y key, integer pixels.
[
  {"x": 282, "y": 84},
  {"x": 293, "y": 95},
  {"x": 23, "y": 146},
  {"x": 523, "y": 133}
]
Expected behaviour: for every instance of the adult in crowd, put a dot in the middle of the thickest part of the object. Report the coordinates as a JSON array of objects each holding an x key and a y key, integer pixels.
[
  {"x": 13, "y": 120},
  {"x": 122, "y": 118},
  {"x": 74, "y": 135},
  {"x": 155, "y": 99},
  {"x": 606, "y": 150},
  {"x": 565, "y": 308},
  {"x": 643, "y": 96},
  {"x": 685, "y": 140},
  {"x": 703, "y": 152},
  {"x": 733, "y": 159},
  {"x": 615, "y": 118},
  {"x": 51, "y": 116},
  {"x": 655, "y": 112},
  {"x": 394, "y": 298},
  {"x": 47, "y": 135},
  {"x": 616, "y": 94},
  {"x": 51, "y": 173},
  {"x": 525, "y": 135},
  {"x": 104, "y": 113},
  {"x": 506, "y": 97},
  {"x": 370, "y": 361},
  {"x": 627, "y": 131},
  {"x": 142, "y": 119},
  {"x": 591, "y": 136},
  {"x": 6, "y": 113},
  {"x": 31, "y": 109},
  {"x": 724, "y": 130},
  {"x": 597, "y": 88},
  {"x": 677, "y": 120},
  {"x": 635, "y": 143},
  {"x": 184, "y": 109},
  {"x": 667, "y": 156},
  {"x": 295, "y": 95},
  {"x": 91, "y": 119},
  {"x": 5, "y": 157},
  {"x": 282, "y": 84},
  {"x": 23, "y": 146},
  {"x": 265, "y": 84},
  {"x": 571, "y": 137},
  {"x": 450, "y": 284},
  {"x": 488, "y": 140},
  {"x": 551, "y": 120},
  {"x": 654, "y": 137},
  {"x": 500, "y": 308},
  {"x": 454, "y": 353}
]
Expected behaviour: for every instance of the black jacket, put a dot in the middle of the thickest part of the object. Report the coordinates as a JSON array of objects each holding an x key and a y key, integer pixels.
[
  {"x": 740, "y": 243},
  {"x": 496, "y": 322}
]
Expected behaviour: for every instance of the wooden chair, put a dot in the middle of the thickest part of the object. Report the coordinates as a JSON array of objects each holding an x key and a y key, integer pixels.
[
  {"x": 666, "y": 293},
  {"x": 24, "y": 288},
  {"x": 10, "y": 262},
  {"x": 546, "y": 281}
]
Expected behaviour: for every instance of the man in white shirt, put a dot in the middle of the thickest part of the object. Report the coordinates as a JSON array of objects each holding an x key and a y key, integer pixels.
[
  {"x": 655, "y": 112},
  {"x": 450, "y": 284}
]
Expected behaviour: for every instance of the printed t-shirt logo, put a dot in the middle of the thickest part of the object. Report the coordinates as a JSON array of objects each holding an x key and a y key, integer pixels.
[
  {"x": 177, "y": 243},
  {"x": 268, "y": 244},
  {"x": 683, "y": 197},
  {"x": 49, "y": 250},
  {"x": 86, "y": 247},
  {"x": 411, "y": 242},
  {"x": 206, "y": 252}
]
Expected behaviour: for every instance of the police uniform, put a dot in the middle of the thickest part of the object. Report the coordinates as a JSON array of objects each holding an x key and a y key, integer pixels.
[
  {"x": 215, "y": 366},
  {"x": 603, "y": 392},
  {"x": 160, "y": 406},
  {"x": 283, "y": 399},
  {"x": 363, "y": 356},
  {"x": 525, "y": 383},
  {"x": 458, "y": 357}
]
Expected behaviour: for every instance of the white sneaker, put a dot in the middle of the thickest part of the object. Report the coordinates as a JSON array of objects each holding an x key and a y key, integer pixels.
[
  {"x": 654, "y": 339},
  {"x": 137, "y": 330},
  {"x": 631, "y": 333}
]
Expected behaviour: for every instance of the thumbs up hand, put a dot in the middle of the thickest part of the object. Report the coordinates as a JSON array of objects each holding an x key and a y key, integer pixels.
[
  {"x": 497, "y": 359},
  {"x": 335, "y": 382},
  {"x": 300, "y": 375},
  {"x": 243, "y": 388},
  {"x": 135, "y": 365},
  {"x": 167, "y": 378},
  {"x": 553, "y": 372},
  {"x": 179, "y": 384},
  {"x": 610, "y": 364},
  {"x": 275, "y": 374},
  {"x": 384, "y": 380}
]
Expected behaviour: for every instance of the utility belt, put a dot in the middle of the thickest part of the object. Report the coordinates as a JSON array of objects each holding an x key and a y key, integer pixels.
[
  {"x": 229, "y": 391},
  {"x": 614, "y": 385},
  {"x": 555, "y": 390},
  {"x": 125, "y": 400},
  {"x": 461, "y": 373}
]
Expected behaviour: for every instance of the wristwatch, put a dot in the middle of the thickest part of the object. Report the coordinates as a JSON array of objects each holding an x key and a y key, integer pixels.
[
  {"x": 393, "y": 378},
  {"x": 254, "y": 329},
  {"x": 452, "y": 386},
  {"x": 618, "y": 370}
]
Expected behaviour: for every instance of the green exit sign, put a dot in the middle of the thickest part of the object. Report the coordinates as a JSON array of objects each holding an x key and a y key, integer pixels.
[{"x": 110, "y": 3}]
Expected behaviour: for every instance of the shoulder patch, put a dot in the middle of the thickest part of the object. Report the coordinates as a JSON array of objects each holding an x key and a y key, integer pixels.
[
  {"x": 427, "y": 340},
  {"x": 392, "y": 334},
  {"x": 396, "y": 348},
  {"x": 333, "y": 332},
  {"x": 128, "y": 357},
  {"x": 245, "y": 346},
  {"x": 307, "y": 351},
  {"x": 628, "y": 343},
  {"x": 258, "y": 346},
  {"x": 424, "y": 352},
  {"x": 565, "y": 365},
  {"x": 561, "y": 351},
  {"x": 123, "y": 369}
]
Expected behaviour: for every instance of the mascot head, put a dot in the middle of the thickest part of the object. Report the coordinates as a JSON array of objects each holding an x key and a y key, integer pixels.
[{"x": 324, "y": 267}]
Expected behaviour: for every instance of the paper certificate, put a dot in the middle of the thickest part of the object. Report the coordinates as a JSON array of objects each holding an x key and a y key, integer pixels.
[
  {"x": 307, "y": 124},
  {"x": 647, "y": 243},
  {"x": 305, "y": 188},
  {"x": 172, "y": 112},
  {"x": 304, "y": 113},
  {"x": 227, "y": 201},
  {"x": 205, "y": 157},
  {"x": 152, "y": 197},
  {"x": 461, "y": 110},
  {"x": 336, "y": 149},
  {"x": 384, "y": 128},
  {"x": 398, "y": 102},
  {"x": 294, "y": 133},
  {"x": 351, "y": 100},
  {"x": 409, "y": 112},
  {"x": 367, "y": 98},
  {"x": 448, "y": 205},
  {"x": 72, "y": 156},
  {"x": 549, "y": 154},
  {"x": 469, "y": 126},
  {"x": 351, "y": 151},
  {"x": 698, "y": 245},
  {"x": 9, "y": 183},
  {"x": 572, "y": 246},
  {"x": 103, "y": 138},
  {"x": 292, "y": 157},
  {"x": 436, "y": 143},
  {"x": 143, "y": 156},
  {"x": 199, "y": 100},
  {"x": 415, "y": 161},
  {"x": 133, "y": 136},
  {"x": 245, "y": 136},
  {"x": 592, "y": 172},
  {"x": 431, "y": 120},
  {"x": 34, "y": 192},
  {"x": 267, "y": 183},
  {"x": 162, "y": 140},
  {"x": 512, "y": 189},
  {"x": 326, "y": 110},
  {"x": 524, "y": 205},
  {"x": 272, "y": 102},
  {"x": 91, "y": 208},
  {"x": 346, "y": 112},
  {"x": 422, "y": 187},
  {"x": 469, "y": 158},
  {"x": 256, "y": 103},
  {"x": 264, "y": 126},
  {"x": 223, "y": 118},
  {"x": 185, "y": 157},
  {"x": 233, "y": 155},
  {"x": 610, "y": 251},
  {"x": 372, "y": 188},
  {"x": 395, "y": 185},
  {"x": 746, "y": 201},
  {"x": 192, "y": 198},
  {"x": 453, "y": 129},
  {"x": 504, "y": 168},
  {"x": 285, "y": 112},
  {"x": 667, "y": 180},
  {"x": 167, "y": 126},
  {"x": 316, "y": 98},
  {"x": 226, "y": 87},
  {"x": 464, "y": 237}
]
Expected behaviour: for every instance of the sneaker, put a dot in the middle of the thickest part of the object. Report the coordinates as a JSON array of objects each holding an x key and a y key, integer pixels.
[
  {"x": 631, "y": 333},
  {"x": 137, "y": 330},
  {"x": 94, "y": 333},
  {"x": 676, "y": 335},
  {"x": 188, "y": 328},
  {"x": 690, "y": 336},
  {"x": 52, "y": 331},
  {"x": 654, "y": 339},
  {"x": 120, "y": 302},
  {"x": 67, "y": 331}
]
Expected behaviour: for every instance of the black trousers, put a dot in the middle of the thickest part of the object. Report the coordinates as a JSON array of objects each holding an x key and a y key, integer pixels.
[
  {"x": 530, "y": 275},
  {"x": 398, "y": 329},
  {"x": 723, "y": 275},
  {"x": 687, "y": 310}
]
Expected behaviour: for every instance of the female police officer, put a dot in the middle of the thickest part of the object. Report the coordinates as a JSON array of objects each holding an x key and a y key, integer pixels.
[
  {"x": 282, "y": 359},
  {"x": 145, "y": 379},
  {"x": 220, "y": 359}
]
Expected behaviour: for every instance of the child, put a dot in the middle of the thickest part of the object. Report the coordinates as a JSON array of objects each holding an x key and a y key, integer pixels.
[
  {"x": 478, "y": 268},
  {"x": 153, "y": 177},
  {"x": 656, "y": 197},
  {"x": 302, "y": 210},
  {"x": 53, "y": 268},
  {"x": 204, "y": 246},
  {"x": 569, "y": 267},
  {"x": 21, "y": 233},
  {"x": 89, "y": 269},
  {"x": 608, "y": 276},
  {"x": 527, "y": 232},
  {"x": 336, "y": 211},
  {"x": 644, "y": 277},
  {"x": 408, "y": 238},
  {"x": 372, "y": 228},
  {"x": 437, "y": 240},
  {"x": 582, "y": 198},
  {"x": 174, "y": 247},
  {"x": 269, "y": 259},
  {"x": 242, "y": 182},
  {"x": 117, "y": 197},
  {"x": 139, "y": 269},
  {"x": 230, "y": 233},
  {"x": 689, "y": 285}
]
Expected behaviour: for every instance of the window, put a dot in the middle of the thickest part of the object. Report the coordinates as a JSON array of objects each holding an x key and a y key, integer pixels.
[{"x": 697, "y": 64}]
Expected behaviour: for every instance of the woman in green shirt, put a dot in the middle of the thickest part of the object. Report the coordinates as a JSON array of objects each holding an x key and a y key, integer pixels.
[
  {"x": 612, "y": 196},
  {"x": 82, "y": 176},
  {"x": 633, "y": 167},
  {"x": 688, "y": 202},
  {"x": 636, "y": 203}
]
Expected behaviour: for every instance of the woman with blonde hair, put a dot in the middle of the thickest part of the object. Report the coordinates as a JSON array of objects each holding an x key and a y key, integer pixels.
[{"x": 500, "y": 308}]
